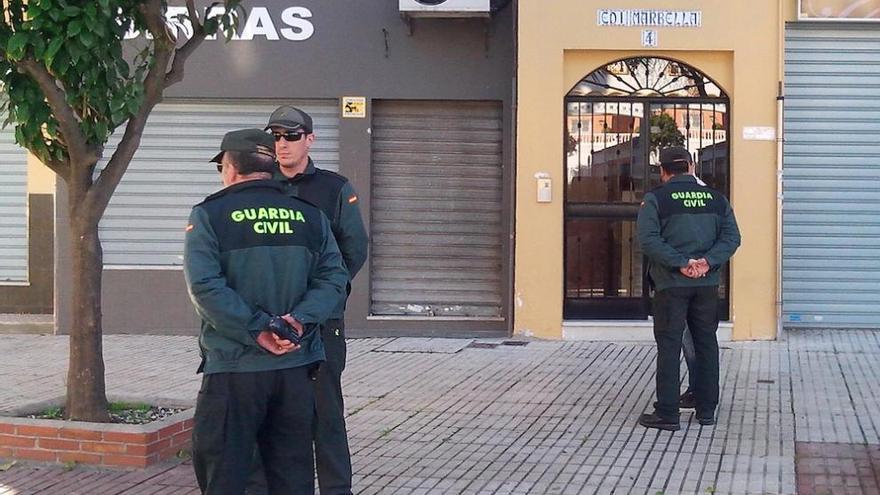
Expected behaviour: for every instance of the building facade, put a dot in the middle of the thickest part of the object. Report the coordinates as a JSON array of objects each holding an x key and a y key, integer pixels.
[
  {"x": 614, "y": 82},
  {"x": 598, "y": 96},
  {"x": 500, "y": 164},
  {"x": 415, "y": 111}
]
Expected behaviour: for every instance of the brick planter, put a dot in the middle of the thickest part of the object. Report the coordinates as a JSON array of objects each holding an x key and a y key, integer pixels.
[{"x": 103, "y": 444}]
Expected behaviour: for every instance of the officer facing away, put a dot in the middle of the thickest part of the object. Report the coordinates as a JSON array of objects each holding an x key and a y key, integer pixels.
[
  {"x": 687, "y": 231},
  {"x": 294, "y": 135},
  {"x": 252, "y": 252}
]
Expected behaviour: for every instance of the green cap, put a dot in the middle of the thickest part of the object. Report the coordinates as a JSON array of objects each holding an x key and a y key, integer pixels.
[{"x": 247, "y": 141}]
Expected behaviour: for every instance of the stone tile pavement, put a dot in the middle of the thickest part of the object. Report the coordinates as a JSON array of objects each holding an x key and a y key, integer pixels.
[{"x": 451, "y": 416}]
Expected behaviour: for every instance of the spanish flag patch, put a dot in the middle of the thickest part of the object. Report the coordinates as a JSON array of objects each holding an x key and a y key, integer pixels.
[
  {"x": 352, "y": 200},
  {"x": 189, "y": 227}
]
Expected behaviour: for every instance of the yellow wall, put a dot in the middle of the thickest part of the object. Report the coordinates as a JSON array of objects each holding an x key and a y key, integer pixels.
[
  {"x": 738, "y": 45},
  {"x": 41, "y": 180}
]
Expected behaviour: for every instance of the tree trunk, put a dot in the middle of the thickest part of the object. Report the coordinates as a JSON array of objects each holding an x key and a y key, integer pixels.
[{"x": 86, "y": 396}]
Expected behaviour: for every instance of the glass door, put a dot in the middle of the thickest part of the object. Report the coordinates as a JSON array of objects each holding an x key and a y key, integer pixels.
[{"x": 616, "y": 121}]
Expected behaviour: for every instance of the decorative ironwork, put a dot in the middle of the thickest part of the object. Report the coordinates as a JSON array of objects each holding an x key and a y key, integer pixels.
[{"x": 647, "y": 77}]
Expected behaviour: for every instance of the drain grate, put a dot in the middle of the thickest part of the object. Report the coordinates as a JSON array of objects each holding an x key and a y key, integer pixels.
[
  {"x": 482, "y": 345},
  {"x": 764, "y": 380},
  {"x": 515, "y": 343}
]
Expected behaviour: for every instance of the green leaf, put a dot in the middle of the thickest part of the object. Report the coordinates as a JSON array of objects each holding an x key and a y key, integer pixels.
[
  {"x": 74, "y": 28},
  {"x": 52, "y": 50},
  {"x": 87, "y": 39},
  {"x": 71, "y": 11},
  {"x": 16, "y": 45},
  {"x": 7, "y": 466}
]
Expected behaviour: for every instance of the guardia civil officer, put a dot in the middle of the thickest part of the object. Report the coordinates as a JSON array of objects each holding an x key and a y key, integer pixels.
[
  {"x": 252, "y": 253},
  {"x": 687, "y": 231},
  {"x": 294, "y": 135}
]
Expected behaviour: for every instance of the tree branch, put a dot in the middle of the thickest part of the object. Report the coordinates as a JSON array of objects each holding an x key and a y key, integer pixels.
[
  {"x": 175, "y": 75},
  {"x": 154, "y": 85},
  {"x": 77, "y": 147}
]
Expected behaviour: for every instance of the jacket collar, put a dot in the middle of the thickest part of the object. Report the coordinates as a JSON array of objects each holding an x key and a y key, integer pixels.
[
  {"x": 684, "y": 178},
  {"x": 310, "y": 170},
  {"x": 247, "y": 185}
]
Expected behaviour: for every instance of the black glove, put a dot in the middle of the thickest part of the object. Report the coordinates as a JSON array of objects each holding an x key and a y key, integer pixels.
[{"x": 283, "y": 330}]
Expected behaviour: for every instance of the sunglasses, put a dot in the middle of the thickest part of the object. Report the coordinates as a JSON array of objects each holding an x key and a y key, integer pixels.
[
  {"x": 288, "y": 136},
  {"x": 220, "y": 167}
]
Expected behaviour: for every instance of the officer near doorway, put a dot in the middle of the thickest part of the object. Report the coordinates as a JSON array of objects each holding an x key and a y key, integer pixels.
[
  {"x": 293, "y": 131},
  {"x": 257, "y": 261},
  {"x": 688, "y": 232}
]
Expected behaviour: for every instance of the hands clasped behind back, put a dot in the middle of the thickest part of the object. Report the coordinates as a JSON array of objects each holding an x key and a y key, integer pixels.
[
  {"x": 275, "y": 344},
  {"x": 695, "y": 268}
]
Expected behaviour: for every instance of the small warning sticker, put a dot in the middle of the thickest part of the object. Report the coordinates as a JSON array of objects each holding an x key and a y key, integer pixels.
[{"x": 354, "y": 107}]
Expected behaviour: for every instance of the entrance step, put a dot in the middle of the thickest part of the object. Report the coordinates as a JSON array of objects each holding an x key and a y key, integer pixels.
[
  {"x": 623, "y": 331},
  {"x": 29, "y": 324}
]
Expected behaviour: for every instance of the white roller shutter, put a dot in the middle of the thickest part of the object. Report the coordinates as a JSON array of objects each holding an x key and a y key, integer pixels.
[
  {"x": 13, "y": 208},
  {"x": 831, "y": 225},
  {"x": 436, "y": 209},
  {"x": 143, "y": 225}
]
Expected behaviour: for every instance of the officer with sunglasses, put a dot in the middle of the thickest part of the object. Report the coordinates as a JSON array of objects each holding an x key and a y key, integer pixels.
[{"x": 293, "y": 131}]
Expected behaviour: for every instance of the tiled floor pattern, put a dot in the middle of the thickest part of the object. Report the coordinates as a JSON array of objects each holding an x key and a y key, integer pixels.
[
  {"x": 438, "y": 416},
  {"x": 837, "y": 469}
]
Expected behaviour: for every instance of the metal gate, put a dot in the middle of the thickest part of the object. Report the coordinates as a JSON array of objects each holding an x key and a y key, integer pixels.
[
  {"x": 143, "y": 225},
  {"x": 13, "y": 208},
  {"x": 831, "y": 225},
  {"x": 437, "y": 209}
]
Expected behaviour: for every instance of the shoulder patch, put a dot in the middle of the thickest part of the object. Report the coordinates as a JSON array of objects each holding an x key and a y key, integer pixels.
[
  {"x": 352, "y": 200},
  {"x": 189, "y": 228}
]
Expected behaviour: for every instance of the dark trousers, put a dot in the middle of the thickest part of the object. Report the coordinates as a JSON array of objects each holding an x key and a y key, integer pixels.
[
  {"x": 696, "y": 307},
  {"x": 690, "y": 357},
  {"x": 332, "y": 454},
  {"x": 270, "y": 410}
]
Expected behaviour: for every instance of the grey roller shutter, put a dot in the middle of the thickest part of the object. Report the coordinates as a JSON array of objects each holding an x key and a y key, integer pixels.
[
  {"x": 831, "y": 224},
  {"x": 13, "y": 207},
  {"x": 436, "y": 209},
  {"x": 144, "y": 223}
]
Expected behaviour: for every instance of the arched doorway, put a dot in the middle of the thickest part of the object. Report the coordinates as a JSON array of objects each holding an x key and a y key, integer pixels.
[{"x": 616, "y": 120}]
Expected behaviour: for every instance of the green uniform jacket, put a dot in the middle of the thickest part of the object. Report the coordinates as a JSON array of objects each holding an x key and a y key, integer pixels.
[
  {"x": 683, "y": 220},
  {"x": 336, "y": 197},
  {"x": 251, "y": 251}
]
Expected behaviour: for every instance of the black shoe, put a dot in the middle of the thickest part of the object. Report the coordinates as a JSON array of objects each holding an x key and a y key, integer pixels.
[
  {"x": 654, "y": 421},
  {"x": 706, "y": 419},
  {"x": 687, "y": 400}
]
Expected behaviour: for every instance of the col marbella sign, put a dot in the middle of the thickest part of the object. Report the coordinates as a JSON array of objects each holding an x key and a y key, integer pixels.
[
  {"x": 649, "y": 18},
  {"x": 839, "y": 10}
]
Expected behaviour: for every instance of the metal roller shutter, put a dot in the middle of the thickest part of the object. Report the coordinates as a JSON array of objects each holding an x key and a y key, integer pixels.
[
  {"x": 831, "y": 225},
  {"x": 13, "y": 208},
  {"x": 143, "y": 225},
  {"x": 437, "y": 209}
]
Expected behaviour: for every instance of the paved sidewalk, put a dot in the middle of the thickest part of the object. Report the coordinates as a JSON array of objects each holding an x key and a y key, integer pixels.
[{"x": 463, "y": 416}]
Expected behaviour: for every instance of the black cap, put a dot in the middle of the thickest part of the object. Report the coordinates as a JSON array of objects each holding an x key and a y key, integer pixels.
[
  {"x": 248, "y": 141},
  {"x": 673, "y": 155},
  {"x": 290, "y": 118}
]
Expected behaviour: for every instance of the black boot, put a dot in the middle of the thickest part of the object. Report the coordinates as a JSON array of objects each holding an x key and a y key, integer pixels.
[
  {"x": 705, "y": 419},
  {"x": 654, "y": 421},
  {"x": 687, "y": 400}
]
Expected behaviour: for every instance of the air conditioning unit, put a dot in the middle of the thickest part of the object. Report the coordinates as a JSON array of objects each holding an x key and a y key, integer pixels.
[{"x": 445, "y": 8}]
